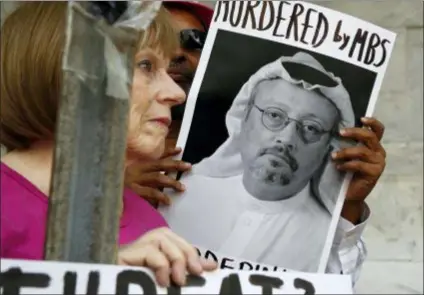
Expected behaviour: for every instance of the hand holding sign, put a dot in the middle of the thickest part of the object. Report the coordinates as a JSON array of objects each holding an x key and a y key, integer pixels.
[
  {"x": 147, "y": 178},
  {"x": 167, "y": 255}
]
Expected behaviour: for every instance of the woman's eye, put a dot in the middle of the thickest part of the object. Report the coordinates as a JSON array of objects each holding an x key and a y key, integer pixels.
[{"x": 145, "y": 65}]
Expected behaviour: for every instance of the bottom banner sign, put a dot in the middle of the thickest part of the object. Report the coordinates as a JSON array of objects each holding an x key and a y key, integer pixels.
[{"x": 43, "y": 277}]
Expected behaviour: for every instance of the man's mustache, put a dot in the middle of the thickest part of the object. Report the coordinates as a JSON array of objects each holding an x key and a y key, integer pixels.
[
  {"x": 183, "y": 72},
  {"x": 183, "y": 76},
  {"x": 180, "y": 67},
  {"x": 282, "y": 152}
]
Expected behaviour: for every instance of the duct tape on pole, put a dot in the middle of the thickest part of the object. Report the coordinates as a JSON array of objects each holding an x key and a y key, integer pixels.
[{"x": 85, "y": 202}]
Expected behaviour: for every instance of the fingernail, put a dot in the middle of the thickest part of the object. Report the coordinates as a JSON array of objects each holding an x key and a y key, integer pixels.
[
  {"x": 364, "y": 119},
  {"x": 166, "y": 282},
  {"x": 205, "y": 261},
  {"x": 343, "y": 132},
  {"x": 178, "y": 274},
  {"x": 334, "y": 155},
  {"x": 183, "y": 280},
  {"x": 187, "y": 165},
  {"x": 196, "y": 265},
  {"x": 182, "y": 187},
  {"x": 179, "y": 149}
]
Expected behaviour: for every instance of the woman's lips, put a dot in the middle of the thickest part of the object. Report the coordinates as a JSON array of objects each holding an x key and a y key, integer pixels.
[{"x": 164, "y": 121}]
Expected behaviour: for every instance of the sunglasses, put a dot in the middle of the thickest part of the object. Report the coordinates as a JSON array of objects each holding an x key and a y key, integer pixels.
[{"x": 192, "y": 39}]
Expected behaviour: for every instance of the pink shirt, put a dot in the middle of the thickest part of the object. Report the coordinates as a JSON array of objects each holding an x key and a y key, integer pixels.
[{"x": 24, "y": 216}]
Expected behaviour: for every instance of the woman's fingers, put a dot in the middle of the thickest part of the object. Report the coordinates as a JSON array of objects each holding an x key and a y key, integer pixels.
[
  {"x": 167, "y": 255},
  {"x": 147, "y": 255},
  {"x": 176, "y": 257},
  {"x": 207, "y": 264},
  {"x": 195, "y": 265},
  {"x": 159, "y": 263}
]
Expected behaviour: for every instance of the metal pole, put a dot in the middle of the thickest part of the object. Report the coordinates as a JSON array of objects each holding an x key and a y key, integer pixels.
[{"x": 85, "y": 201}]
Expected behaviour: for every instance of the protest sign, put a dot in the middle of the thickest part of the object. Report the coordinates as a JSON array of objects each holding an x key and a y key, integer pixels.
[
  {"x": 41, "y": 277},
  {"x": 226, "y": 262},
  {"x": 276, "y": 83}
]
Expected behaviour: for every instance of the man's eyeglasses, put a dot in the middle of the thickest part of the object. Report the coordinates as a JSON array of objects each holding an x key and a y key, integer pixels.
[
  {"x": 275, "y": 119},
  {"x": 192, "y": 39}
]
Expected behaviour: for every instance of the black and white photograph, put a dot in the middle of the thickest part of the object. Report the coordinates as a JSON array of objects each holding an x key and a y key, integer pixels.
[{"x": 265, "y": 121}]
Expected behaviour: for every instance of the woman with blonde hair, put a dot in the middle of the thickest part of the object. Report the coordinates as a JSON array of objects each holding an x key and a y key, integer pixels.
[{"x": 32, "y": 43}]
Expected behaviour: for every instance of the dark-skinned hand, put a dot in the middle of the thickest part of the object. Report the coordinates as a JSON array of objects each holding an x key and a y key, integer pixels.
[
  {"x": 367, "y": 162},
  {"x": 148, "y": 179}
]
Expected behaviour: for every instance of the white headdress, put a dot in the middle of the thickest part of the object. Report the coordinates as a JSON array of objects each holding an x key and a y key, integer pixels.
[{"x": 227, "y": 162}]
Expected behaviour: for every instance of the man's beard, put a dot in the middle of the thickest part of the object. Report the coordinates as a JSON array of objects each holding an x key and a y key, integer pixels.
[{"x": 276, "y": 171}]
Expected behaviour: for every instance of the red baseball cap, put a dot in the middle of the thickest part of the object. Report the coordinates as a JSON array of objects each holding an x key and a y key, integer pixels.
[{"x": 202, "y": 11}]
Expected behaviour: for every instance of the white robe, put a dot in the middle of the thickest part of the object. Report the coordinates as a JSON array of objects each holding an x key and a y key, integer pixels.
[{"x": 219, "y": 214}]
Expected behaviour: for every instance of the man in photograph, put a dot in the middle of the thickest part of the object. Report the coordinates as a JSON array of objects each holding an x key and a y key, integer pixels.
[{"x": 260, "y": 197}]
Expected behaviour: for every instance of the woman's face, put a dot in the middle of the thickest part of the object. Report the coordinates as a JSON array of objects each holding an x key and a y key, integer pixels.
[{"x": 153, "y": 95}]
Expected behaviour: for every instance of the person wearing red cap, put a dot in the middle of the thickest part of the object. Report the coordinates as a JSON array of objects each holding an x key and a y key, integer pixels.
[{"x": 192, "y": 20}]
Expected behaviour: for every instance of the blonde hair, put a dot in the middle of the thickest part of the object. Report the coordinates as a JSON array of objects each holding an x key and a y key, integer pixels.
[
  {"x": 32, "y": 44},
  {"x": 161, "y": 34}
]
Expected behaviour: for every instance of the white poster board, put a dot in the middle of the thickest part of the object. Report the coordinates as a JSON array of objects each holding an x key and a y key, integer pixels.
[
  {"x": 41, "y": 277},
  {"x": 259, "y": 191}
]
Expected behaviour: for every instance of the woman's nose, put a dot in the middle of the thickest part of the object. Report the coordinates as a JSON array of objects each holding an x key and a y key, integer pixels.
[{"x": 169, "y": 91}]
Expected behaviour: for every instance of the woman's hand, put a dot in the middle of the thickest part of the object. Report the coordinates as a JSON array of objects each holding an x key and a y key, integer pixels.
[
  {"x": 147, "y": 179},
  {"x": 169, "y": 256}
]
